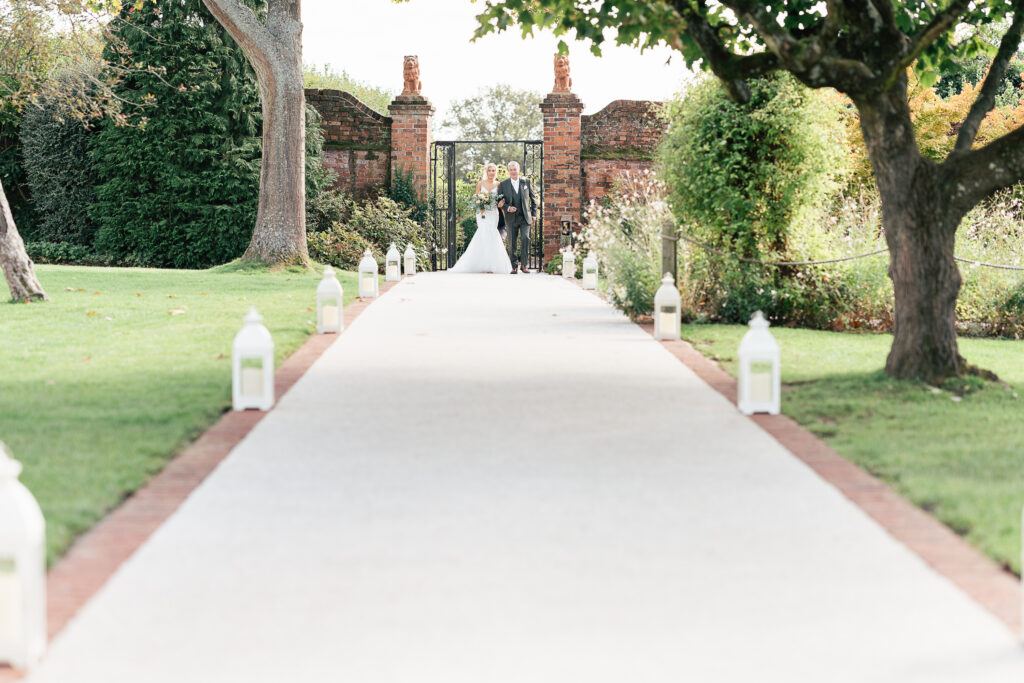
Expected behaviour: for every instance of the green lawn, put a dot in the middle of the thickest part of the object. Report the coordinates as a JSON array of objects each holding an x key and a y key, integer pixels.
[
  {"x": 101, "y": 386},
  {"x": 961, "y": 458}
]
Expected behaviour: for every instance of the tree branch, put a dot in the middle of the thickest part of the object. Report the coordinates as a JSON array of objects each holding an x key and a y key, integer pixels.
[
  {"x": 940, "y": 23},
  {"x": 246, "y": 30},
  {"x": 986, "y": 98},
  {"x": 732, "y": 69},
  {"x": 980, "y": 172}
]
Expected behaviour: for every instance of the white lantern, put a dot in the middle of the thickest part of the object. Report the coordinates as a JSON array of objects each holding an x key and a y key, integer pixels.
[
  {"x": 329, "y": 301},
  {"x": 590, "y": 271},
  {"x": 667, "y": 303},
  {"x": 568, "y": 263},
  {"x": 410, "y": 260},
  {"x": 392, "y": 265},
  {"x": 367, "y": 276},
  {"x": 252, "y": 365},
  {"x": 22, "y": 569},
  {"x": 759, "y": 372}
]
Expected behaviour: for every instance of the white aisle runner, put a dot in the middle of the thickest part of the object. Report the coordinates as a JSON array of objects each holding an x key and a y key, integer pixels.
[{"x": 494, "y": 479}]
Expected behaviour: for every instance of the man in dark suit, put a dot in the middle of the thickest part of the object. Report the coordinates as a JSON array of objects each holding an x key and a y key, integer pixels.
[{"x": 519, "y": 204}]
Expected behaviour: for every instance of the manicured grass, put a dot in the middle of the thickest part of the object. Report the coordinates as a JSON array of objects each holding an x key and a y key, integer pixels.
[
  {"x": 961, "y": 458},
  {"x": 101, "y": 386}
]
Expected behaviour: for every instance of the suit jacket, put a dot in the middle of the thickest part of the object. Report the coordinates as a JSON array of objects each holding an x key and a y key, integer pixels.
[{"x": 525, "y": 200}]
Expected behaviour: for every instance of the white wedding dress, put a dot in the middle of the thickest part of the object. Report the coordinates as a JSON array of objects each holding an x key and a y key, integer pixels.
[{"x": 486, "y": 252}]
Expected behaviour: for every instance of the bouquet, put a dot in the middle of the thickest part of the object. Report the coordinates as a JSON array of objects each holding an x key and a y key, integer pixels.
[{"x": 484, "y": 200}]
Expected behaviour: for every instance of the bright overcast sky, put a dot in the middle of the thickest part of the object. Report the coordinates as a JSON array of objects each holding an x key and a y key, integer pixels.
[{"x": 368, "y": 38}]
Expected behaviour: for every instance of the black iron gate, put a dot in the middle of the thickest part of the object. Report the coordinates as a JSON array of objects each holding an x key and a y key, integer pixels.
[{"x": 445, "y": 247}]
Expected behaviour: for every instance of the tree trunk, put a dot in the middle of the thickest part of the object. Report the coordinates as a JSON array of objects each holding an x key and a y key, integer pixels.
[
  {"x": 17, "y": 266},
  {"x": 280, "y": 233},
  {"x": 275, "y": 52},
  {"x": 920, "y": 224}
]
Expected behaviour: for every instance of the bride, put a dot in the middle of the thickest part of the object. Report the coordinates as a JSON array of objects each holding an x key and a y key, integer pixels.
[{"x": 486, "y": 252}]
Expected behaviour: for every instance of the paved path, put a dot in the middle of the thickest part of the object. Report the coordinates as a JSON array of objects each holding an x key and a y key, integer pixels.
[{"x": 496, "y": 479}]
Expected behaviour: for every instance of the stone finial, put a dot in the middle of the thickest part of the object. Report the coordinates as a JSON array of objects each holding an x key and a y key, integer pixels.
[
  {"x": 411, "y": 74},
  {"x": 562, "y": 81}
]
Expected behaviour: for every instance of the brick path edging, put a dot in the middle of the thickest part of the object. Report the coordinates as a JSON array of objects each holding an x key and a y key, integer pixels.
[
  {"x": 94, "y": 557},
  {"x": 988, "y": 584}
]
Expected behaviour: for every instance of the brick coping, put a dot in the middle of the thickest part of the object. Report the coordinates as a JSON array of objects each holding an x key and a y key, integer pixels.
[
  {"x": 94, "y": 557},
  {"x": 984, "y": 581}
]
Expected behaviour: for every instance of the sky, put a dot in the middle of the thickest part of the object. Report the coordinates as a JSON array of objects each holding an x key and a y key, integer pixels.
[{"x": 368, "y": 39}]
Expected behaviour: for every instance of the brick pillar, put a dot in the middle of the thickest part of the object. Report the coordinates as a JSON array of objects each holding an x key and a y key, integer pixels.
[
  {"x": 562, "y": 176},
  {"x": 410, "y": 139}
]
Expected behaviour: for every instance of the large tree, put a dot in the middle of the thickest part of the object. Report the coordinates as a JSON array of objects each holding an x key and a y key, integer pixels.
[
  {"x": 862, "y": 48},
  {"x": 274, "y": 49}
]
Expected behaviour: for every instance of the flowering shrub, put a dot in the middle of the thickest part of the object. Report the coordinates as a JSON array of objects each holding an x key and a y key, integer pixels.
[
  {"x": 624, "y": 233},
  {"x": 375, "y": 224}
]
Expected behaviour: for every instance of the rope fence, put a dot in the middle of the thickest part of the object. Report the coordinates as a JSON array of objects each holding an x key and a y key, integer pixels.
[{"x": 719, "y": 252}]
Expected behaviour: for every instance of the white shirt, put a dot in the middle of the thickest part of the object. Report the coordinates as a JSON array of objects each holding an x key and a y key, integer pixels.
[{"x": 515, "y": 184}]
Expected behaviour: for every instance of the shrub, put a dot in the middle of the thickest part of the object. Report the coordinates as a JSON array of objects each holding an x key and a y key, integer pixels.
[
  {"x": 750, "y": 181},
  {"x": 624, "y": 233},
  {"x": 66, "y": 252},
  {"x": 339, "y": 247},
  {"x": 377, "y": 224},
  {"x": 181, "y": 191},
  {"x": 403, "y": 191},
  {"x": 59, "y": 173}
]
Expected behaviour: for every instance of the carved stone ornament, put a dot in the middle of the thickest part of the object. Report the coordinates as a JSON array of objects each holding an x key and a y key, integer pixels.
[
  {"x": 563, "y": 83},
  {"x": 411, "y": 74}
]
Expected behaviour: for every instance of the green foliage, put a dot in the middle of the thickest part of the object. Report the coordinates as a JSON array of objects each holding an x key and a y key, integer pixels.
[
  {"x": 324, "y": 204},
  {"x": 339, "y": 247},
  {"x": 12, "y": 176},
  {"x": 403, "y": 191},
  {"x": 326, "y": 78},
  {"x": 59, "y": 173},
  {"x": 67, "y": 252},
  {"x": 182, "y": 190},
  {"x": 374, "y": 223},
  {"x": 749, "y": 181}
]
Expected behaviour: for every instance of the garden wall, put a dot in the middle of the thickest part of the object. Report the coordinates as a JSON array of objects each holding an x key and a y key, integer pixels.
[
  {"x": 621, "y": 138},
  {"x": 357, "y": 144}
]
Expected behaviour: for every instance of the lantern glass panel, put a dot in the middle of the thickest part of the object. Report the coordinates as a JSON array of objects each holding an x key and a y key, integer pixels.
[
  {"x": 330, "y": 314},
  {"x": 252, "y": 377},
  {"x": 393, "y": 271},
  {"x": 369, "y": 280},
  {"x": 10, "y": 600},
  {"x": 760, "y": 383},
  {"x": 666, "y": 318},
  {"x": 410, "y": 264}
]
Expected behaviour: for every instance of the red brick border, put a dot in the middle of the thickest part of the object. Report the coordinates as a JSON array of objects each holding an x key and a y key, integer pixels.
[
  {"x": 97, "y": 554},
  {"x": 988, "y": 584}
]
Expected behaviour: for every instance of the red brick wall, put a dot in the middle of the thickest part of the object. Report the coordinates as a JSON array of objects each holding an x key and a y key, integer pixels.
[
  {"x": 357, "y": 144},
  {"x": 562, "y": 180},
  {"x": 601, "y": 175},
  {"x": 410, "y": 138},
  {"x": 621, "y": 138}
]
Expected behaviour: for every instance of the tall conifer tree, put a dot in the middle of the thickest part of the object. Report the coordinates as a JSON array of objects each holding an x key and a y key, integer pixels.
[{"x": 181, "y": 191}]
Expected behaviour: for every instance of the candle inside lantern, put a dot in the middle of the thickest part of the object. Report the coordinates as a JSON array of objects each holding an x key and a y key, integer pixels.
[
  {"x": 330, "y": 314},
  {"x": 761, "y": 382},
  {"x": 666, "y": 318},
  {"x": 369, "y": 280},
  {"x": 393, "y": 273},
  {"x": 252, "y": 382},
  {"x": 10, "y": 601}
]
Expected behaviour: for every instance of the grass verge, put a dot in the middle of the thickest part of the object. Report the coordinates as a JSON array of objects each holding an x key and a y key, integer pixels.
[
  {"x": 958, "y": 452},
  {"x": 123, "y": 368}
]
